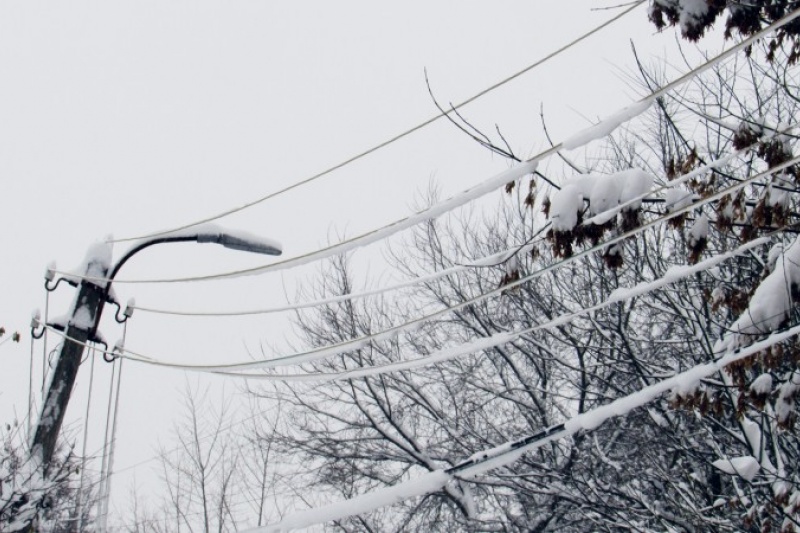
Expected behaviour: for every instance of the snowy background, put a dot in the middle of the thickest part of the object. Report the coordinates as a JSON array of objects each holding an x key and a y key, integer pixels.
[{"x": 127, "y": 118}]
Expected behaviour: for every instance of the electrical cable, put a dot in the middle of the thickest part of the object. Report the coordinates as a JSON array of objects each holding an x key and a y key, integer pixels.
[
  {"x": 482, "y": 343},
  {"x": 104, "y": 461},
  {"x": 472, "y": 463},
  {"x": 30, "y": 391},
  {"x": 483, "y": 262},
  {"x": 44, "y": 341},
  {"x": 318, "y": 353},
  {"x": 506, "y": 337},
  {"x": 399, "y": 136},
  {"x": 106, "y": 495},
  {"x": 490, "y": 260},
  {"x": 528, "y": 166},
  {"x": 509, "y": 452},
  {"x": 79, "y": 496}
]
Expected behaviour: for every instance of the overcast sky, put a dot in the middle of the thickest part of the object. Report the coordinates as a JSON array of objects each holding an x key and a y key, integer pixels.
[{"x": 122, "y": 118}]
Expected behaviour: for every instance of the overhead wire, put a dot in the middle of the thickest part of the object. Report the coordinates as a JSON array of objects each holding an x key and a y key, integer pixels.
[
  {"x": 483, "y": 262},
  {"x": 490, "y": 260},
  {"x": 79, "y": 497},
  {"x": 107, "y": 444},
  {"x": 524, "y": 168},
  {"x": 29, "y": 418},
  {"x": 506, "y": 337},
  {"x": 771, "y": 171},
  {"x": 342, "y": 347},
  {"x": 106, "y": 487},
  {"x": 742, "y": 249},
  {"x": 511, "y": 451},
  {"x": 105, "y": 495},
  {"x": 473, "y": 467},
  {"x": 399, "y": 136}
]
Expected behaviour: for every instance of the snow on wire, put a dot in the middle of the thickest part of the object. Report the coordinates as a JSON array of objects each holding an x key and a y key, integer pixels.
[
  {"x": 626, "y": 202},
  {"x": 509, "y": 452},
  {"x": 518, "y": 171},
  {"x": 339, "y": 348},
  {"x": 403, "y": 134}
]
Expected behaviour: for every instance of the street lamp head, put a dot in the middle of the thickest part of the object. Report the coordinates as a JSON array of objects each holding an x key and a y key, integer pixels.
[{"x": 245, "y": 243}]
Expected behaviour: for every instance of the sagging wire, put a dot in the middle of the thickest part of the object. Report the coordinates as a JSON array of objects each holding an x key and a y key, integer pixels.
[
  {"x": 318, "y": 353},
  {"x": 501, "y": 338},
  {"x": 104, "y": 460},
  {"x": 112, "y": 417},
  {"x": 399, "y": 136},
  {"x": 487, "y": 261},
  {"x": 511, "y": 451},
  {"x": 602, "y": 129}
]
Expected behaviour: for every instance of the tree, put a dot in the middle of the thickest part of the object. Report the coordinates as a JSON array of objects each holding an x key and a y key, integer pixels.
[
  {"x": 203, "y": 476},
  {"x": 29, "y": 496},
  {"x": 718, "y": 454},
  {"x": 709, "y": 263}
]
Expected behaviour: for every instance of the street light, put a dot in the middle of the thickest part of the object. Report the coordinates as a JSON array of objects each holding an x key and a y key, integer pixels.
[{"x": 87, "y": 309}]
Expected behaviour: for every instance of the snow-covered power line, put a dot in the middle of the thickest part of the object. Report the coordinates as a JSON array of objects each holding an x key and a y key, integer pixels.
[
  {"x": 509, "y": 452},
  {"x": 499, "y": 339},
  {"x": 401, "y": 135},
  {"x": 340, "y": 348},
  {"x": 490, "y": 260},
  {"x": 524, "y": 168},
  {"x": 335, "y": 349},
  {"x": 620, "y": 295}
]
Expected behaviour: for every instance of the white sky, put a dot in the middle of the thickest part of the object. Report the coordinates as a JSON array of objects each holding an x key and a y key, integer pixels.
[{"x": 127, "y": 117}]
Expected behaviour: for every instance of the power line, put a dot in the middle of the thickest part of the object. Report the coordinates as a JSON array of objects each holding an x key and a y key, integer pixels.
[
  {"x": 399, "y": 136},
  {"x": 509, "y": 452},
  {"x": 506, "y": 337},
  {"x": 490, "y": 260},
  {"x": 343, "y": 347},
  {"x": 483, "y": 262},
  {"x": 526, "y": 167},
  {"x": 303, "y": 357}
]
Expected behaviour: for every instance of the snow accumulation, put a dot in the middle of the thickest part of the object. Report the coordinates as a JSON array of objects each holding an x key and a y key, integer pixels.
[
  {"x": 746, "y": 467},
  {"x": 677, "y": 198},
  {"x": 495, "y": 457},
  {"x": 606, "y": 126},
  {"x": 215, "y": 230},
  {"x": 762, "y": 385},
  {"x": 774, "y": 256},
  {"x": 82, "y": 318},
  {"x": 430, "y": 482},
  {"x": 673, "y": 274},
  {"x": 786, "y": 392},
  {"x": 604, "y": 192},
  {"x": 770, "y": 304},
  {"x": 699, "y": 230},
  {"x": 565, "y": 206},
  {"x": 95, "y": 264},
  {"x": 692, "y": 13},
  {"x": 778, "y": 197}
]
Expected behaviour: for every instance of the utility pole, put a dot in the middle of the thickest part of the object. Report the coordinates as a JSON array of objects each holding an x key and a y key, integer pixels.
[
  {"x": 87, "y": 309},
  {"x": 82, "y": 326}
]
